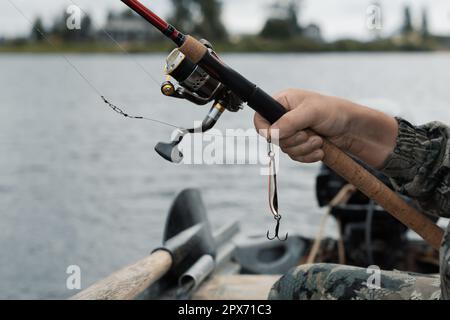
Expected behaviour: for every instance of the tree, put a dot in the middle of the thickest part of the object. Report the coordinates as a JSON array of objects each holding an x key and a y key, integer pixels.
[
  {"x": 284, "y": 23},
  {"x": 293, "y": 9},
  {"x": 211, "y": 26},
  {"x": 59, "y": 28},
  {"x": 38, "y": 30},
  {"x": 202, "y": 17},
  {"x": 127, "y": 13},
  {"x": 110, "y": 15},
  {"x": 183, "y": 15},
  {"x": 85, "y": 33},
  {"x": 425, "y": 26},
  {"x": 407, "y": 21},
  {"x": 277, "y": 29}
]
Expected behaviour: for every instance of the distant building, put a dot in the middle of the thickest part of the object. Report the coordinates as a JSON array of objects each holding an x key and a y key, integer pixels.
[
  {"x": 313, "y": 32},
  {"x": 126, "y": 26}
]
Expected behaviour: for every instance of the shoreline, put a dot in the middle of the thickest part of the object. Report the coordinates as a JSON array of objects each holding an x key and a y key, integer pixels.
[
  {"x": 106, "y": 52},
  {"x": 251, "y": 47}
]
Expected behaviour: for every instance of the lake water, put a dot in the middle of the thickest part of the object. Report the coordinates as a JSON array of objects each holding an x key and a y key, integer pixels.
[{"x": 82, "y": 186}]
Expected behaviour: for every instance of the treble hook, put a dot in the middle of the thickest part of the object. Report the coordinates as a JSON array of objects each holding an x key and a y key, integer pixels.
[{"x": 277, "y": 230}]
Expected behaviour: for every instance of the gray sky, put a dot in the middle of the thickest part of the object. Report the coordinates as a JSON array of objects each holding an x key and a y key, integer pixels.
[{"x": 338, "y": 18}]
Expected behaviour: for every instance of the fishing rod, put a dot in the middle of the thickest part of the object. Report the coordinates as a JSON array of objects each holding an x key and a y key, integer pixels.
[{"x": 203, "y": 77}]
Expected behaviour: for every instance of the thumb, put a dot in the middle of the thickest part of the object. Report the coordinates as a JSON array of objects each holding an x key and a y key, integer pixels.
[{"x": 299, "y": 119}]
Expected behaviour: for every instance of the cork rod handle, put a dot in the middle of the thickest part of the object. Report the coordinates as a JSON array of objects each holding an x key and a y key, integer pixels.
[{"x": 373, "y": 188}]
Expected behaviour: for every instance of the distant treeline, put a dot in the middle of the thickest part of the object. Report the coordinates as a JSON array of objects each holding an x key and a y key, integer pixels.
[{"x": 282, "y": 32}]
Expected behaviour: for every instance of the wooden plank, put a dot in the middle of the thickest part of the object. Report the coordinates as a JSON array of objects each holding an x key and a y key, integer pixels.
[
  {"x": 127, "y": 283},
  {"x": 236, "y": 287}
]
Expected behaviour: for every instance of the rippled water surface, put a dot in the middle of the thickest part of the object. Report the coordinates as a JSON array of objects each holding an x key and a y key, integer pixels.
[{"x": 80, "y": 185}]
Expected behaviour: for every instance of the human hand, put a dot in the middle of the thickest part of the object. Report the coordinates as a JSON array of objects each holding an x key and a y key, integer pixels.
[{"x": 363, "y": 132}]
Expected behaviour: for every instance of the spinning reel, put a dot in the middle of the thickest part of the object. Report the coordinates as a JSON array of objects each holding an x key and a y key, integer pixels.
[{"x": 196, "y": 86}]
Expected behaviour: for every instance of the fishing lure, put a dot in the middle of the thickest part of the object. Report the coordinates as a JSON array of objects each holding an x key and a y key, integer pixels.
[{"x": 273, "y": 192}]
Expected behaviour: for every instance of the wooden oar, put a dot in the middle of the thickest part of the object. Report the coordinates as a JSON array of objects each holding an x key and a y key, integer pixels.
[
  {"x": 129, "y": 282},
  {"x": 183, "y": 249}
]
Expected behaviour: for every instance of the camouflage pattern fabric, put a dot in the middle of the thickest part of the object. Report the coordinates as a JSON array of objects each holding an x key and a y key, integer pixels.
[
  {"x": 445, "y": 266},
  {"x": 419, "y": 167},
  {"x": 336, "y": 282}
]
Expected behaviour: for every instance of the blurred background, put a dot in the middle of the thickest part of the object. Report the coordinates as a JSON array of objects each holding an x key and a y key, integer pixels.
[
  {"x": 233, "y": 25},
  {"x": 80, "y": 185}
]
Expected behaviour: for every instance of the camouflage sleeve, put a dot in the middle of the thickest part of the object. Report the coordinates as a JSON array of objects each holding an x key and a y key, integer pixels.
[{"x": 419, "y": 167}]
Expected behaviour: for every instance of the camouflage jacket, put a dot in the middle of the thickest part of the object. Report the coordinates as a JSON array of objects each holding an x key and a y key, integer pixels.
[{"x": 419, "y": 167}]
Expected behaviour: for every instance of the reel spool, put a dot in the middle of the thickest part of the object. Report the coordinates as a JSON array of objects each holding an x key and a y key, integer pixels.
[{"x": 197, "y": 86}]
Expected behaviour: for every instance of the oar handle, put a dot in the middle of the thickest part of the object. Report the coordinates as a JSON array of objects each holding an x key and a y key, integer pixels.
[
  {"x": 129, "y": 282},
  {"x": 336, "y": 159}
]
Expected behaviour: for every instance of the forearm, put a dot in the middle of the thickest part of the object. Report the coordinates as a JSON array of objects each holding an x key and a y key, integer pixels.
[
  {"x": 373, "y": 135},
  {"x": 416, "y": 159}
]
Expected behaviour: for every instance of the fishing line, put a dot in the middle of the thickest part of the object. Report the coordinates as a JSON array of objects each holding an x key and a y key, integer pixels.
[
  {"x": 53, "y": 46},
  {"x": 112, "y": 106},
  {"x": 91, "y": 85},
  {"x": 119, "y": 46},
  {"x": 126, "y": 115}
]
